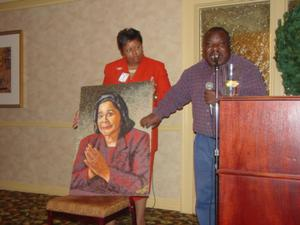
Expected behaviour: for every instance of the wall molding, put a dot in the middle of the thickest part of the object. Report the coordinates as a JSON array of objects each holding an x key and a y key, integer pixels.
[
  {"x": 48, "y": 124},
  {"x": 21, "y": 4},
  {"x": 157, "y": 203},
  {"x": 163, "y": 203},
  {"x": 163, "y": 128},
  {"x": 55, "y": 124},
  {"x": 33, "y": 188}
]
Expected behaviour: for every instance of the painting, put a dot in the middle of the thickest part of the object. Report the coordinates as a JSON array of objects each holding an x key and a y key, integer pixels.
[
  {"x": 11, "y": 69},
  {"x": 113, "y": 156}
]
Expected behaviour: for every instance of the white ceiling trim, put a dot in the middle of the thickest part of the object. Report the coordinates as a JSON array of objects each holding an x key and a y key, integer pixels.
[{"x": 7, "y": 5}]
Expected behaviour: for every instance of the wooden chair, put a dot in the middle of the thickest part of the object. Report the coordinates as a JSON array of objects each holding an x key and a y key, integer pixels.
[{"x": 102, "y": 209}]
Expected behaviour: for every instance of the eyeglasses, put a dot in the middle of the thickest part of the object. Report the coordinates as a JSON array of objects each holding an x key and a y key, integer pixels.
[{"x": 136, "y": 49}]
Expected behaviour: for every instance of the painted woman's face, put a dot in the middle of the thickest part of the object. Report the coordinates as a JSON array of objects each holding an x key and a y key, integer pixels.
[{"x": 109, "y": 119}]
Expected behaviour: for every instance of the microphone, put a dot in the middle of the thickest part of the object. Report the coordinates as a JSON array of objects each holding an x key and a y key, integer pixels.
[{"x": 210, "y": 86}]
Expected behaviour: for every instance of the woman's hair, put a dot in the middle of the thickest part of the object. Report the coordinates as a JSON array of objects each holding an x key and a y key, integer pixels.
[
  {"x": 126, "y": 123},
  {"x": 128, "y": 34}
]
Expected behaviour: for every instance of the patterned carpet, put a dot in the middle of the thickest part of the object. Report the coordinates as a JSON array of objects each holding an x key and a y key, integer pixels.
[{"x": 18, "y": 208}]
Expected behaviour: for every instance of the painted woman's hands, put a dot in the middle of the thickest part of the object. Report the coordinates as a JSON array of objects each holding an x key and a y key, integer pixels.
[{"x": 96, "y": 163}]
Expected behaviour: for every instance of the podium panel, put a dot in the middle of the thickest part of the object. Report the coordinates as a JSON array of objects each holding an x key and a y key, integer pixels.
[{"x": 259, "y": 167}]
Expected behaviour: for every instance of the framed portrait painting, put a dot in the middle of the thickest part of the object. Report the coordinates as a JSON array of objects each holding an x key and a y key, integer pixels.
[
  {"x": 113, "y": 153},
  {"x": 11, "y": 59}
]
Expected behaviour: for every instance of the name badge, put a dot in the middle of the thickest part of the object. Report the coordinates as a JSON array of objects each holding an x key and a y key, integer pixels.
[{"x": 123, "y": 77}]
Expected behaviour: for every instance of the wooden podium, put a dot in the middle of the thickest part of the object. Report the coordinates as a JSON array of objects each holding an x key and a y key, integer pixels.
[{"x": 259, "y": 167}]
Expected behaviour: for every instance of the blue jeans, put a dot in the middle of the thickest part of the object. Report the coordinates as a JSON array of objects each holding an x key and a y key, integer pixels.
[{"x": 204, "y": 169}]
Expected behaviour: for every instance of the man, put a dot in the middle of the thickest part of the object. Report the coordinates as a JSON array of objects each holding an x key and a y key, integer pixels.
[{"x": 191, "y": 88}]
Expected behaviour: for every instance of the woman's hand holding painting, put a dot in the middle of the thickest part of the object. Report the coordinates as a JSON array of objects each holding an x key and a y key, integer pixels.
[{"x": 96, "y": 163}]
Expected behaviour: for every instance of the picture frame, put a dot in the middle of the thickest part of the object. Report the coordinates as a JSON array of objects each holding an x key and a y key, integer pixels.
[
  {"x": 127, "y": 157},
  {"x": 11, "y": 69}
]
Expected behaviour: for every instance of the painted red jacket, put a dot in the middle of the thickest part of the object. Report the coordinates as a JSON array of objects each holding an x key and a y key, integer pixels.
[
  {"x": 148, "y": 70},
  {"x": 128, "y": 163}
]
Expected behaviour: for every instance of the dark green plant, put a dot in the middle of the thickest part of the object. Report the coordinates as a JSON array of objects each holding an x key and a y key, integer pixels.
[{"x": 287, "y": 51}]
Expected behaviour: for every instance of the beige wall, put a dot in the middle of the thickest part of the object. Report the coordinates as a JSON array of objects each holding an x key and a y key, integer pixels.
[{"x": 65, "y": 47}]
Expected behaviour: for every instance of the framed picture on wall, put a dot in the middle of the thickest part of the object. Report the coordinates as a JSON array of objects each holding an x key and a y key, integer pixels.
[{"x": 11, "y": 67}]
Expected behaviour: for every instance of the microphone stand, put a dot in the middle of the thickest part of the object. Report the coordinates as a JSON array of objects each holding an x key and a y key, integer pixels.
[{"x": 216, "y": 152}]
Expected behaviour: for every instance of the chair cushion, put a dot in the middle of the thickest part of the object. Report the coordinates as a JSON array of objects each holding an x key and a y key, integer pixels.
[{"x": 95, "y": 206}]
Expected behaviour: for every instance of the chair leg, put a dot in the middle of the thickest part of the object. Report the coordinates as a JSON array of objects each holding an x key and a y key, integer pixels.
[
  {"x": 50, "y": 218},
  {"x": 132, "y": 212}
]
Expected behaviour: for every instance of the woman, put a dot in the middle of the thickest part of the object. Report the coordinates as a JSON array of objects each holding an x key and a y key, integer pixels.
[
  {"x": 135, "y": 67},
  {"x": 115, "y": 159}
]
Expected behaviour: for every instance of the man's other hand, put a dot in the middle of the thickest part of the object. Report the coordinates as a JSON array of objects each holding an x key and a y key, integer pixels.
[{"x": 151, "y": 120}]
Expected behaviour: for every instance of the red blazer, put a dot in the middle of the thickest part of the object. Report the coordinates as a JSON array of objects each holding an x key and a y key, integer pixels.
[
  {"x": 128, "y": 164},
  {"x": 148, "y": 69}
]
